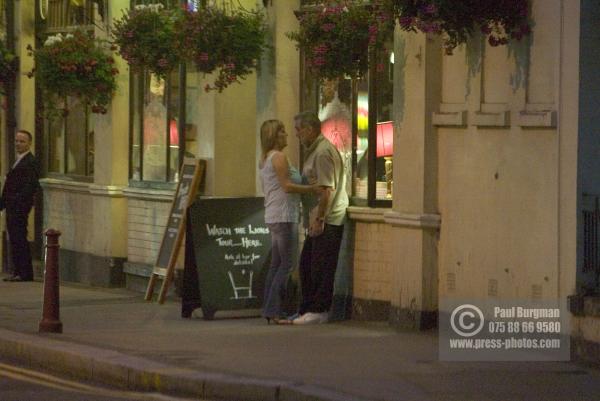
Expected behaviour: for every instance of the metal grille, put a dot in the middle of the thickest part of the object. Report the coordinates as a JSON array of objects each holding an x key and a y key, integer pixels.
[
  {"x": 65, "y": 14},
  {"x": 591, "y": 240},
  {"x": 451, "y": 282},
  {"x": 166, "y": 3},
  {"x": 492, "y": 287}
]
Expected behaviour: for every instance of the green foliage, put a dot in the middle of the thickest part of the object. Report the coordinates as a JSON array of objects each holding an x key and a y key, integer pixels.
[
  {"x": 338, "y": 37},
  {"x": 498, "y": 20},
  {"x": 76, "y": 65},
  {"x": 156, "y": 39},
  {"x": 7, "y": 66},
  {"x": 147, "y": 38},
  {"x": 229, "y": 42}
]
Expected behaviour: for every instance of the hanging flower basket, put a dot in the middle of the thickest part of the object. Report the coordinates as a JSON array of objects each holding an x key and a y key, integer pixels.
[
  {"x": 338, "y": 37},
  {"x": 227, "y": 41},
  {"x": 147, "y": 38},
  {"x": 498, "y": 20},
  {"x": 7, "y": 66},
  {"x": 76, "y": 65}
]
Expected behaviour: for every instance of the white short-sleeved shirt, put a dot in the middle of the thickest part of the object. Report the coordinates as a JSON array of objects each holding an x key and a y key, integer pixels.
[{"x": 323, "y": 165}]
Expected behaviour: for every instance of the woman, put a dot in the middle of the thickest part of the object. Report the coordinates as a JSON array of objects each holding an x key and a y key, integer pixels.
[{"x": 281, "y": 186}]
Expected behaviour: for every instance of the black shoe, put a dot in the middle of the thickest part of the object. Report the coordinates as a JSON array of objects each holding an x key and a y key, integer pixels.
[{"x": 18, "y": 279}]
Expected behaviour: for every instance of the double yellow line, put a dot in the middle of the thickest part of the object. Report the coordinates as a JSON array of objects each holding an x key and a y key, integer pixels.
[{"x": 46, "y": 380}]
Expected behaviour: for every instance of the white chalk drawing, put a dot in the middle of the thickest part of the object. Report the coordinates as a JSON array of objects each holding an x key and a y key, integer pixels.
[
  {"x": 183, "y": 197},
  {"x": 239, "y": 291}
]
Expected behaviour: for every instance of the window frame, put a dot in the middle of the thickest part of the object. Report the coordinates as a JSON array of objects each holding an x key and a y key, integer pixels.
[
  {"x": 89, "y": 173},
  {"x": 311, "y": 102},
  {"x": 137, "y": 95},
  {"x": 47, "y": 27}
]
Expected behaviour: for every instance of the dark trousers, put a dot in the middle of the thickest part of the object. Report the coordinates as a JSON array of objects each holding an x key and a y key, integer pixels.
[
  {"x": 318, "y": 263},
  {"x": 16, "y": 224}
]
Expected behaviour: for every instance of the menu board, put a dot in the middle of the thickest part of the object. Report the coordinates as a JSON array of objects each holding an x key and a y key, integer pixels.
[
  {"x": 230, "y": 253},
  {"x": 174, "y": 224},
  {"x": 189, "y": 179}
]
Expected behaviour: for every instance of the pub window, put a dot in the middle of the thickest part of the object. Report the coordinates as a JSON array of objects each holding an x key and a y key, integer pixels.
[
  {"x": 157, "y": 110},
  {"x": 356, "y": 116},
  {"x": 155, "y": 142},
  {"x": 69, "y": 136},
  {"x": 71, "y": 141}
]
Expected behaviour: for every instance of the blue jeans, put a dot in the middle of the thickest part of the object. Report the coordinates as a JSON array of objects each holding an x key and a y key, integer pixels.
[{"x": 283, "y": 243}]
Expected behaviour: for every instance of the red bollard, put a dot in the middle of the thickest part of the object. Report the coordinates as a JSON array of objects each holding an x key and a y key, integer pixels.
[{"x": 50, "y": 322}]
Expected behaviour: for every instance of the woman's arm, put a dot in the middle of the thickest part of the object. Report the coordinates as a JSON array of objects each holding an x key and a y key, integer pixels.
[{"x": 282, "y": 168}]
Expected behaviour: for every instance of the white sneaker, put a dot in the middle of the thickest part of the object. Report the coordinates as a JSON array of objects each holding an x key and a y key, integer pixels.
[
  {"x": 308, "y": 318},
  {"x": 312, "y": 318},
  {"x": 323, "y": 317}
]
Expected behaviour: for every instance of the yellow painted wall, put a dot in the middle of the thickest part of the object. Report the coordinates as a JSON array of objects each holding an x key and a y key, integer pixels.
[
  {"x": 24, "y": 26},
  {"x": 235, "y": 139},
  {"x": 499, "y": 186}
]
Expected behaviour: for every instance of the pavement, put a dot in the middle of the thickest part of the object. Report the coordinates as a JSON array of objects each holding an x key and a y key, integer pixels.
[{"x": 113, "y": 336}]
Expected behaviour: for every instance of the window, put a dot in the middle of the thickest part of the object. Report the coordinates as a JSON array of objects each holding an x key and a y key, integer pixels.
[
  {"x": 71, "y": 141},
  {"x": 160, "y": 136},
  {"x": 61, "y": 15},
  {"x": 155, "y": 151},
  {"x": 69, "y": 136},
  {"x": 357, "y": 118}
]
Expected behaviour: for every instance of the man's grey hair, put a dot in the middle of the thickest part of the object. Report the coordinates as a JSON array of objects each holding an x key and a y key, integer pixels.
[
  {"x": 24, "y": 131},
  {"x": 309, "y": 119}
]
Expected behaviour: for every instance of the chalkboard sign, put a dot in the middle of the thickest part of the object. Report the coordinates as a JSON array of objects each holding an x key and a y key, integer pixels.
[
  {"x": 229, "y": 256},
  {"x": 189, "y": 180}
]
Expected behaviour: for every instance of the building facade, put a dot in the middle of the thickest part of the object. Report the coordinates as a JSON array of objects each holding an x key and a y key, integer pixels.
[{"x": 488, "y": 190}]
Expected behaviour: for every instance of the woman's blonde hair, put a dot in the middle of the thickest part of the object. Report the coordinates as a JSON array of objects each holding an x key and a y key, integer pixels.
[{"x": 268, "y": 135}]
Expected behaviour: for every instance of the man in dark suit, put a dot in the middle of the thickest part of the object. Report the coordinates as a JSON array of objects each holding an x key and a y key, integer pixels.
[{"x": 22, "y": 182}]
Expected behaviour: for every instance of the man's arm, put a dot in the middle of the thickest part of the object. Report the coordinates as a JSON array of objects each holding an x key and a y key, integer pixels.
[
  {"x": 325, "y": 167},
  {"x": 317, "y": 225}
]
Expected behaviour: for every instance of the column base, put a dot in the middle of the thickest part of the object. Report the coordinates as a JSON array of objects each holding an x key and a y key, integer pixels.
[
  {"x": 50, "y": 326},
  {"x": 413, "y": 320}
]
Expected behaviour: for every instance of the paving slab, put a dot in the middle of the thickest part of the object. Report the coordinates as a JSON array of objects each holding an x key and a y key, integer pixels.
[{"x": 113, "y": 336}]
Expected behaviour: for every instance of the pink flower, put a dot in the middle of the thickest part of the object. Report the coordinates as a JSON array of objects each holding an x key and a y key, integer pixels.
[
  {"x": 321, "y": 49},
  {"x": 486, "y": 29},
  {"x": 429, "y": 9},
  {"x": 406, "y": 22},
  {"x": 318, "y": 61},
  {"x": 328, "y": 27}
]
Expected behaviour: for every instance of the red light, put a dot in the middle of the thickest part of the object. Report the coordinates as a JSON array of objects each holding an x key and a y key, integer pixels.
[{"x": 385, "y": 138}]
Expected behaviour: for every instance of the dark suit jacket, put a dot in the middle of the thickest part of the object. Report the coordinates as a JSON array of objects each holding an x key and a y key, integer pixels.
[{"x": 22, "y": 182}]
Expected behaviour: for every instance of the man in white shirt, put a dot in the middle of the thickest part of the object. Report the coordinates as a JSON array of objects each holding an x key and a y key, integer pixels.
[{"x": 325, "y": 215}]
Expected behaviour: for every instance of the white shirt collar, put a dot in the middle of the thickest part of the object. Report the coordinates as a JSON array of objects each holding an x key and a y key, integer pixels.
[{"x": 19, "y": 158}]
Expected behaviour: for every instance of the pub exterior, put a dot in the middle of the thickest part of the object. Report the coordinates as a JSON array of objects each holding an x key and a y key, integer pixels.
[{"x": 472, "y": 175}]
